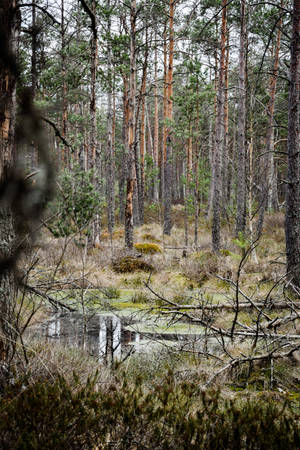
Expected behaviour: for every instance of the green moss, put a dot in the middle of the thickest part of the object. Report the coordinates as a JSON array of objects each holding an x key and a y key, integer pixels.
[
  {"x": 131, "y": 264},
  {"x": 148, "y": 248}
]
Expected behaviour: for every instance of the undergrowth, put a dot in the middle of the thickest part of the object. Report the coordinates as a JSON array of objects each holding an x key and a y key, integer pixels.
[{"x": 171, "y": 415}]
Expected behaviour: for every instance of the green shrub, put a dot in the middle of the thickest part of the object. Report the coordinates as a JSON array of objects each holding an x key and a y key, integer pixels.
[
  {"x": 75, "y": 204},
  {"x": 171, "y": 415}
]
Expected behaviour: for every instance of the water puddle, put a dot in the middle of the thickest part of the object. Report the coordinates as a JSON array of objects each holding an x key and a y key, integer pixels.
[{"x": 109, "y": 337}]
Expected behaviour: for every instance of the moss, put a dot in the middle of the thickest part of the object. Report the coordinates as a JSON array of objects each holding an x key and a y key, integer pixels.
[
  {"x": 125, "y": 304},
  {"x": 148, "y": 248},
  {"x": 131, "y": 264},
  {"x": 226, "y": 252},
  {"x": 150, "y": 237}
]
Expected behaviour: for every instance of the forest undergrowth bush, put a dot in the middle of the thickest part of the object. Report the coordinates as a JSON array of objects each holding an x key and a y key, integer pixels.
[
  {"x": 131, "y": 264},
  {"x": 170, "y": 415}
]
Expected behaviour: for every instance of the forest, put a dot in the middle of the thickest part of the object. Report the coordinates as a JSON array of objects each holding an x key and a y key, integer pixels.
[{"x": 150, "y": 224}]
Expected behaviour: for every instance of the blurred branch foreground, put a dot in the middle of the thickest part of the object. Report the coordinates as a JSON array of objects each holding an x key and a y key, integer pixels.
[{"x": 21, "y": 200}]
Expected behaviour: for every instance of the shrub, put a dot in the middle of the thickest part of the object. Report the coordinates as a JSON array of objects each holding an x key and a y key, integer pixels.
[
  {"x": 171, "y": 415},
  {"x": 150, "y": 237},
  {"x": 148, "y": 248},
  {"x": 201, "y": 266},
  {"x": 75, "y": 204},
  {"x": 131, "y": 264}
]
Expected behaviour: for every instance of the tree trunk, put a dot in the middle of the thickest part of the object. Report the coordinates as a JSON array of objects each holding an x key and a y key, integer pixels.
[
  {"x": 240, "y": 223},
  {"x": 269, "y": 151},
  {"x": 9, "y": 25},
  {"x": 123, "y": 171},
  {"x": 109, "y": 122},
  {"x": 131, "y": 179},
  {"x": 64, "y": 156},
  {"x": 217, "y": 185},
  {"x": 142, "y": 132},
  {"x": 292, "y": 218},
  {"x": 156, "y": 124},
  {"x": 167, "y": 172}
]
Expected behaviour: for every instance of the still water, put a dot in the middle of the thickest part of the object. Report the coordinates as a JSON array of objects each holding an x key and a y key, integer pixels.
[{"x": 109, "y": 337}]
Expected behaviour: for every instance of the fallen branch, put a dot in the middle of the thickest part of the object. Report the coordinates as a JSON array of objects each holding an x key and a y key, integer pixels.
[{"x": 237, "y": 361}]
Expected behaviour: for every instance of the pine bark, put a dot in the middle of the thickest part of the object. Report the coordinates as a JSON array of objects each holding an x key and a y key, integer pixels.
[
  {"x": 110, "y": 149},
  {"x": 156, "y": 123},
  {"x": 9, "y": 26},
  {"x": 269, "y": 149},
  {"x": 168, "y": 168},
  {"x": 217, "y": 185},
  {"x": 64, "y": 156},
  {"x": 292, "y": 218},
  {"x": 240, "y": 223},
  {"x": 131, "y": 179}
]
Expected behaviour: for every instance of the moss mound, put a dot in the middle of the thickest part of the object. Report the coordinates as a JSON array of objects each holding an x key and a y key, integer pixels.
[
  {"x": 148, "y": 248},
  {"x": 131, "y": 264}
]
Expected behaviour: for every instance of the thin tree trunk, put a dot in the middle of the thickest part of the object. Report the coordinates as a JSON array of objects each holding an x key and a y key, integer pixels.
[
  {"x": 240, "y": 223},
  {"x": 269, "y": 155},
  {"x": 64, "y": 156},
  {"x": 168, "y": 174},
  {"x": 109, "y": 125},
  {"x": 123, "y": 171},
  {"x": 131, "y": 128},
  {"x": 292, "y": 215},
  {"x": 156, "y": 123},
  {"x": 217, "y": 186},
  {"x": 142, "y": 131}
]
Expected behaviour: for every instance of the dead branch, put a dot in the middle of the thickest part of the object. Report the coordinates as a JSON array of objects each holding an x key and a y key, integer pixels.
[{"x": 237, "y": 361}]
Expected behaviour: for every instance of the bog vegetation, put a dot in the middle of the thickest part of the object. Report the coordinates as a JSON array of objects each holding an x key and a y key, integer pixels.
[{"x": 149, "y": 224}]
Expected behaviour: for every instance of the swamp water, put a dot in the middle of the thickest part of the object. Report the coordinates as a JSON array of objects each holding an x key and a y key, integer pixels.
[{"x": 109, "y": 336}]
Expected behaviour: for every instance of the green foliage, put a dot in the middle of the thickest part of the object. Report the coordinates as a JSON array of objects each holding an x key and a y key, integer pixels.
[
  {"x": 75, "y": 204},
  {"x": 241, "y": 241},
  {"x": 130, "y": 264},
  {"x": 148, "y": 248},
  {"x": 171, "y": 415}
]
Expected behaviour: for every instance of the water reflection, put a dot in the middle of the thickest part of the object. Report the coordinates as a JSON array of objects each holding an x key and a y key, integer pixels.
[
  {"x": 102, "y": 336},
  {"x": 107, "y": 337}
]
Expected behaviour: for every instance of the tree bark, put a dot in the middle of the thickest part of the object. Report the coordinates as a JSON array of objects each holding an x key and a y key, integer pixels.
[
  {"x": 217, "y": 185},
  {"x": 131, "y": 179},
  {"x": 9, "y": 26},
  {"x": 269, "y": 149},
  {"x": 240, "y": 223},
  {"x": 292, "y": 215},
  {"x": 109, "y": 124},
  {"x": 167, "y": 172}
]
